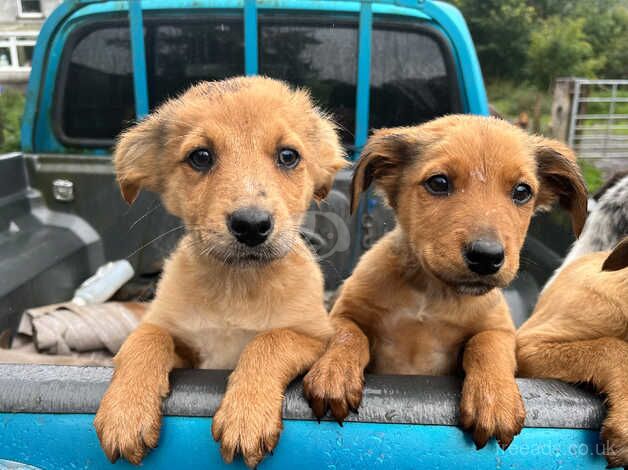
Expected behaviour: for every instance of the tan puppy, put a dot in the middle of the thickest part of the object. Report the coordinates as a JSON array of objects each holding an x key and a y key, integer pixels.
[
  {"x": 239, "y": 162},
  {"x": 579, "y": 333},
  {"x": 423, "y": 300}
]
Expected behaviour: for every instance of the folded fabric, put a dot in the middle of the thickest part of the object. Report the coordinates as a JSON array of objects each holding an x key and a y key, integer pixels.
[{"x": 67, "y": 328}]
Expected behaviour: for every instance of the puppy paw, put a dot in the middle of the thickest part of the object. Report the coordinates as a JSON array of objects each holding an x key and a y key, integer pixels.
[
  {"x": 249, "y": 424},
  {"x": 336, "y": 383},
  {"x": 127, "y": 424},
  {"x": 491, "y": 408},
  {"x": 615, "y": 437}
]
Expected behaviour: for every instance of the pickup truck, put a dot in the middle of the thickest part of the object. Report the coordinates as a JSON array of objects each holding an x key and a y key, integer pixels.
[{"x": 99, "y": 65}]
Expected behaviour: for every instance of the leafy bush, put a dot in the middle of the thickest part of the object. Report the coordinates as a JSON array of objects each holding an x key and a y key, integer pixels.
[
  {"x": 11, "y": 110},
  {"x": 560, "y": 48}
]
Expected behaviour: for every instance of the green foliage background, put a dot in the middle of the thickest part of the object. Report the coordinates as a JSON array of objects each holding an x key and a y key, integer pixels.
[
  {"x": 539, "y": 40},
  {"x": 523, "y": 45},
  {"x": 11, "y": 109}
]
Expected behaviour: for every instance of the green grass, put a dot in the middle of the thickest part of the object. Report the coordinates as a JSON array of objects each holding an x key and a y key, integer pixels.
[
  {"x": 510, "y": 99},
  {"x": 592, "y": 175},
  {"x": 11, "y": 110}
]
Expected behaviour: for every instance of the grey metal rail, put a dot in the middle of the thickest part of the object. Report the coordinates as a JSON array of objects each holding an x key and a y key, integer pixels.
[{"x": 387, "y": 399}]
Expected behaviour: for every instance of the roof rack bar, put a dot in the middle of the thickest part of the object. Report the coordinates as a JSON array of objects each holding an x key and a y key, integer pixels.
[
  {"x": 138, "y": 53},
  {"x": 250, "y": 38},
  {"x": 364, "y": 75}
]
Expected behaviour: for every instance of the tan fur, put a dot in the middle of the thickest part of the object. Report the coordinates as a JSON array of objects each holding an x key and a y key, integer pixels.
[
  {"x": 211, "y": 301},
  {"x": 412, "y": 306},
  {"x": 579, "y": 333}
]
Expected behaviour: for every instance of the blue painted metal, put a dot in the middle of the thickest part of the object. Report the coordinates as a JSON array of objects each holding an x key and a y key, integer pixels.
[
  {"x": 363, "y": 88},
  {"x": 69, "y": 441},
  {"x": 250, "y": 37},
  {"x": 138, "y": 52}
]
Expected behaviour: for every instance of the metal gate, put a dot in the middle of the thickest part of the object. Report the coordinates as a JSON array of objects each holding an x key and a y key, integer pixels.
[{"x": 598, "y": 126}]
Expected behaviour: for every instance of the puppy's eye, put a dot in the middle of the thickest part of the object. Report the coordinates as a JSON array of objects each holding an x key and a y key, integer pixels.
[
  {"x": 521, "y": 193},
  {"x": 288, "y": 158},
  {"x": 201, "y": 160},
  {"x": 438, "y": 185}
]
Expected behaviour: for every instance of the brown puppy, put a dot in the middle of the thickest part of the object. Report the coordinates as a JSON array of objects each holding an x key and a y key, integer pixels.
[
  {"x": 239, "y": 162},
  {"x": 579, "y": 333},
  {"x": 424, "y": 297}
]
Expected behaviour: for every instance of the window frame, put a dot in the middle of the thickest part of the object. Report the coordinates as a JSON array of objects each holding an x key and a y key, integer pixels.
[
  {"x": 29, "y": 14},
  {"x": 12, "y": 40}
]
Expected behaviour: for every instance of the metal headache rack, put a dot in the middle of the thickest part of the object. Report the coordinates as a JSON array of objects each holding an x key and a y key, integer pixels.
[
  {"x": 443, "y": 17},
  {"x": 598, "y": 127}
]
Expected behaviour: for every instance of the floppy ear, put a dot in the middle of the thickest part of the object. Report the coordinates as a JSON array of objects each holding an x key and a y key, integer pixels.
[
  {"x": 331, "y": 158},
  {"x": 383, "y": 157},
  {"x": 618, "y": 259},
  {"x": 135, "y": 158},
  {"x": 561, "y": 180}
]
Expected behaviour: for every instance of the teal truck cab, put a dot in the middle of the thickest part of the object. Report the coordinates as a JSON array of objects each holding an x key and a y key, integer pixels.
[{"x": 101, "y": 64}]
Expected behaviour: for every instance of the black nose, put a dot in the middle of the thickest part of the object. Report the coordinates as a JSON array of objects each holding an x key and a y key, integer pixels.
[
  {"x": 250, "y": 225},
  {"x": 484, "y": 256}
]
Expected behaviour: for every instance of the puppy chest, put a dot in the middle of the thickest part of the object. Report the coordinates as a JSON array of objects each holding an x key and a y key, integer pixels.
[
  {"x": 417, "y": 346},
  {"x": 220, "y": 348}
]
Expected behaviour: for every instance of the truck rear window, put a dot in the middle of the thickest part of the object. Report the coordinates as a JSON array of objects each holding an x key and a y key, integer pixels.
[
  {"x": 412, "y": 75},
  {"x": 97, "y": 95},
  {"x": 320, "y": 56}
]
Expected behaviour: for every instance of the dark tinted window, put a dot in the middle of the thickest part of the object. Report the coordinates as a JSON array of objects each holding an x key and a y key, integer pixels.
[
  {"x": 98, "y": 100},
  {"x": 98, "y": 96},
  {"x": 320, "y": 56},
  {"x": 184, "y": 53},
  {"x": 410, "y": 78}
]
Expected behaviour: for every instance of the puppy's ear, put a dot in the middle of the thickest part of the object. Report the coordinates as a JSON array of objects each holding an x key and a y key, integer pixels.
[
  {"x": 331, "y": 158},
  {"x": 383, "y": 157},
  {"x": 136, "y": 158},
  {"x": 618, "y": 259},
  {"x": 561, "y": 180}
]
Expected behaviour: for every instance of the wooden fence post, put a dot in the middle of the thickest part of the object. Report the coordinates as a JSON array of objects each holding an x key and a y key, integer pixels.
[{"x": 561, "y": 108}]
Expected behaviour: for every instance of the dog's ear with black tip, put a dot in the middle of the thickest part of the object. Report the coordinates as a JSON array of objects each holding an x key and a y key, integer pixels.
[
  {"x": 561, "y": 180},
  {"x": 135, "y": 158},
  {"x": 618, "y": 259},
  {"x": 382, "y": 160}
]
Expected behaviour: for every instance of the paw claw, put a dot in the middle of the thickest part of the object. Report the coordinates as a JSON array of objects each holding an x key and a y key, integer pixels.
[
  {"x": 319, "y": 408},
  {"x": 505, "y": 443}
]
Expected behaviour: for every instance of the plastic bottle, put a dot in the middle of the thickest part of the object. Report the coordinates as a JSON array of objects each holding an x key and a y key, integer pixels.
[{"x": 102, "y": 285}]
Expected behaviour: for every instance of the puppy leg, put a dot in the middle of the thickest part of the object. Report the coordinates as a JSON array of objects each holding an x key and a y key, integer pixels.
[
  {"x": 337, "y": 379},
  {"x": 602, "y": 362},
  {"x": 129, "y": 416},
  {"x": 249, "y": 417},
  {"x": 491, "y": 404}
]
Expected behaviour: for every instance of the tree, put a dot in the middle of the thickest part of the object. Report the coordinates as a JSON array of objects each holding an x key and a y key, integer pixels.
[
  {"x": 559, "y": 48},
  {"x": 607, "y": 30},
  {"x": 501, "y": 33}
]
